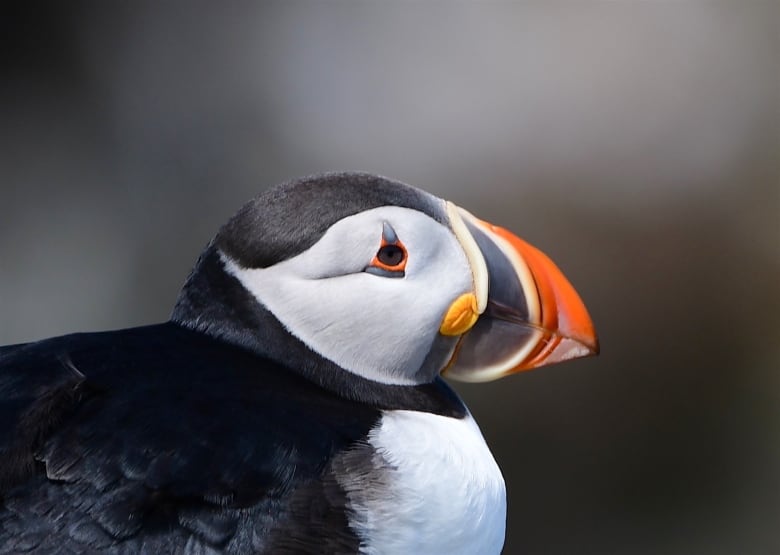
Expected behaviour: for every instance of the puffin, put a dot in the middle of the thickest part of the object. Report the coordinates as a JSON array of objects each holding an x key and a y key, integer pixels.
[{"x": 294, "y": 402}]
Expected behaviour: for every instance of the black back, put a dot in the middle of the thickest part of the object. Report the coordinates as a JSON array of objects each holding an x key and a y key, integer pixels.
[{"x": 161, "y": 439}]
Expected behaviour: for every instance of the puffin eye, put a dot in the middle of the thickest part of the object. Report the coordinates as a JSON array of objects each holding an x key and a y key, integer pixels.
[
  {"x": 391, "y": 255},
  {"x": 390, "y": 259}
]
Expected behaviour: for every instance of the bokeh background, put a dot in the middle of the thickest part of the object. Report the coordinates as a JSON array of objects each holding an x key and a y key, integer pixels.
[{"x": 637, "y": 143}]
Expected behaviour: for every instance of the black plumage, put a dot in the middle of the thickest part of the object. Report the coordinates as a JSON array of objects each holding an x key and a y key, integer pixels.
[{"x": 162, "y": 439}]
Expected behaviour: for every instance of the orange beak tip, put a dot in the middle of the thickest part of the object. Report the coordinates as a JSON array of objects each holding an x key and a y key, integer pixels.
[{"x": 574, "y": 348}]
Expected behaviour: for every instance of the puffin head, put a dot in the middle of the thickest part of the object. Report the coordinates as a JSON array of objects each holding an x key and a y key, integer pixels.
[{"x": 385, "y": 281}]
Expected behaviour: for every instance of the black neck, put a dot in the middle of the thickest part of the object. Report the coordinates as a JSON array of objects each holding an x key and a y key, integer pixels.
[{"x": 215, "y": 303}]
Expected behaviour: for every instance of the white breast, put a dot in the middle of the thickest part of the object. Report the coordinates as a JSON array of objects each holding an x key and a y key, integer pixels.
[{"x": 442, "y": 491}]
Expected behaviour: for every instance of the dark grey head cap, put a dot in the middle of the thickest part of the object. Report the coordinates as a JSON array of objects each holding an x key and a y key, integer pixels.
[
  {"x": 275, "y": 226},
  {"x": 288, "y": 219}
]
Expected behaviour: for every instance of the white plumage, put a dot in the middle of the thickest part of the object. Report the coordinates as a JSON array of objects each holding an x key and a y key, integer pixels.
[{"x": 446, "y": 494}]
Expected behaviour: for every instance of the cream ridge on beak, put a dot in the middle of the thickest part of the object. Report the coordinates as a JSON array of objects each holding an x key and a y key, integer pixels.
[{"x": 523, "y": 312}]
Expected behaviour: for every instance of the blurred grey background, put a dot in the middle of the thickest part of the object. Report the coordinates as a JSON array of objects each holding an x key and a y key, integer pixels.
[{"x": 637, "y": 143}]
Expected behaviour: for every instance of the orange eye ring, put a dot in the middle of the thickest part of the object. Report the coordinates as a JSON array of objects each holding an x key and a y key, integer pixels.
[{"x": 391, "y": 257}]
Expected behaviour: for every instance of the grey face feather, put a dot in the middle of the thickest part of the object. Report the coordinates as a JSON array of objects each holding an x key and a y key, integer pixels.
[{"x": 259, "y": 251}]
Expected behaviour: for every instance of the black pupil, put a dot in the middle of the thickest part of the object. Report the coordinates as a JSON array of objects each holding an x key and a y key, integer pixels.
[{"x": 390, "y": 255}]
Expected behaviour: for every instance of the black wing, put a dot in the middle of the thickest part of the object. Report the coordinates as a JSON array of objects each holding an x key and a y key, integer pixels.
[{"x": 161, "y": 440}]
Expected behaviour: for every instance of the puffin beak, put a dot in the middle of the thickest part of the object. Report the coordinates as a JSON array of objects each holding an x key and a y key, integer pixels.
[{"x": 529, "y": 315}]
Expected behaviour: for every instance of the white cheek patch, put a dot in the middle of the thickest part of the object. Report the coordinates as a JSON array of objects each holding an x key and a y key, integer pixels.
[{"x": 378, "y": 327}]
